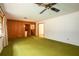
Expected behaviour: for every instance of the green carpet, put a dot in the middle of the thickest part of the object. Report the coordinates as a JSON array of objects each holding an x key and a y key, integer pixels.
[{"x": 35, "y": 46}]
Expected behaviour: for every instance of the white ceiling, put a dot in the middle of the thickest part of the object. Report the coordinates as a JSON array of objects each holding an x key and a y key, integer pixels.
[{"x": 32, "y": 11}]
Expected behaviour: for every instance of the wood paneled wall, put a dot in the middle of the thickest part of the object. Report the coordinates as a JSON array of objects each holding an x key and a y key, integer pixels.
[{"x": 16, "y": 28}]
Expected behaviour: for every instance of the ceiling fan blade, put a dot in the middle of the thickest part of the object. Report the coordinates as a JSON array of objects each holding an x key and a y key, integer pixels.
[
  {"x": 55, "y": 9},
  {"x": 53, "y": 3},
  {"x": 43, "y": 11},
  {"x": 39, "y": 3}
]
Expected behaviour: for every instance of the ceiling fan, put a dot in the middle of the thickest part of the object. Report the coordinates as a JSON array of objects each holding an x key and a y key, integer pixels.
[{"x": 48, "y": 6}]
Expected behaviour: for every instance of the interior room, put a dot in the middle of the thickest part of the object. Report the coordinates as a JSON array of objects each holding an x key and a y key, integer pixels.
[{"x": 39, "y": 29}]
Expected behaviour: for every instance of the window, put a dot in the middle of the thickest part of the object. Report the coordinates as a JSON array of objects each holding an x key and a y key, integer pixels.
[{"x": 0, "y": 27}]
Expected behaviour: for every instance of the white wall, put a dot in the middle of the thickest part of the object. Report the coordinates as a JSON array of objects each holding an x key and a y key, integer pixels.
[{"x": 64, "y": 28}]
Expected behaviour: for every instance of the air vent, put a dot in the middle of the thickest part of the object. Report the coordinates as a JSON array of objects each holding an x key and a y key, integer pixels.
[{"x": 25, "y": 17}]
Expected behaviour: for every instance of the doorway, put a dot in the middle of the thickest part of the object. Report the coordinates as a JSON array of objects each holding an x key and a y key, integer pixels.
[
  {"x": 27, "y": 30},
  {"x": 41, "y": 30}
]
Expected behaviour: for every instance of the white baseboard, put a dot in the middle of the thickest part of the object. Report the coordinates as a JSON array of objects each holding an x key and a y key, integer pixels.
[{"x": 72, "y": 43}]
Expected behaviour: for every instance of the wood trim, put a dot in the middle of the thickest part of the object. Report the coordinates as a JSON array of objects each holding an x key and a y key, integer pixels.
[{"x": 21, "y": 21}]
